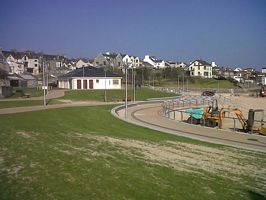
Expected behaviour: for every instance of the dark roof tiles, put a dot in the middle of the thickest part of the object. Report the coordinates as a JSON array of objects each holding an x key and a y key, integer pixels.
[{"x": 88, "y": 72}]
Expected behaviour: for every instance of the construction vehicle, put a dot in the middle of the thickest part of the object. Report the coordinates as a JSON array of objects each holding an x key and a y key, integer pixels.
[
  {"x": 211, "y": 116},
  {"x": 253, "y": 124}
]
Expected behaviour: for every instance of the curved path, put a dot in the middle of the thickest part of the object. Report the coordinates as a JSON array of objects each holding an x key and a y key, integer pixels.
[{"x": 148, "y": 115}]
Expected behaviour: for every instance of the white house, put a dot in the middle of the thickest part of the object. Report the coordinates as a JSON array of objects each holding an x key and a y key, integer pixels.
[
  {"x": 134, "y": 60},
  {"x": 200, "y": 68},
  {"x": 263, "y": 70},
  {"x": 14, "y": 60},
  {"x": 31, "y": 63},
  {"x": 89, "y": 78},
  {"x": 154, "y": 62},
  {"x": 82, "y": 63}
]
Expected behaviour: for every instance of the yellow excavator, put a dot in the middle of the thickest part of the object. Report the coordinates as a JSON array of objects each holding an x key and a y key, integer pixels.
[
  {"x": 213, "y": 116},
  {"x": 254, "y": 123}
]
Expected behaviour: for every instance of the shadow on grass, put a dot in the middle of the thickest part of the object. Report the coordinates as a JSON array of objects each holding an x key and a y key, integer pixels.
[{"x": 256, "y": 196}]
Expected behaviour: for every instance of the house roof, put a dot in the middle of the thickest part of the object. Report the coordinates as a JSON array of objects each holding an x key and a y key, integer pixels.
[
  {"x": 202, "y": 62},
  {"x": 110, "y": 55},
  {"x": 27, "y": 77},
  {"x": 14, "y": 54},
  {"x": 53, "y": 57},
  {"x": 89, "y": 72}
]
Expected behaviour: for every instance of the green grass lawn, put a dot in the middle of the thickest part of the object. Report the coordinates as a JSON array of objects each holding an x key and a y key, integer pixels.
[
  {"x": 33, "y": 92},
  {"x": 26, "y": 103},
  {"x": 200, "y": 83},
  {"x": 86, "y": 153},
  {"x": 114, "y": 95}
]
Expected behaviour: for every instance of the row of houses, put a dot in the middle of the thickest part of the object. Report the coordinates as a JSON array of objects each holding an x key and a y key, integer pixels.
[{"x": 32, "y": 63}]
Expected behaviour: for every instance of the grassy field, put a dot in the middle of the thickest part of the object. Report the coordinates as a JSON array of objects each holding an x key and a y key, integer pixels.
[
  {"x": 85, "y": 153},
  {"x": 114, "y": 95},
  {"x": 200, "y": 83},
  {"x": 26, "y": 103},
  {"x": 33, "y": 92}
]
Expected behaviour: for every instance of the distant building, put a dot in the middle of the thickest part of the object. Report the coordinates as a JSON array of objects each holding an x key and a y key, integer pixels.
[
  {"x": 263, "y": 70},
  {"x": 134, "y": 60},
  {"x": 108, "y": 60},
  {"x": 158, "y": 64},
  {"x": 200, "y": 68}
]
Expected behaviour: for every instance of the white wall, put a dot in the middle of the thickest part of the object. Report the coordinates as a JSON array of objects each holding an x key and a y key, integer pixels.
[
  {"x": 98, "y": 85},
  {"x": 199, "y": 70}
]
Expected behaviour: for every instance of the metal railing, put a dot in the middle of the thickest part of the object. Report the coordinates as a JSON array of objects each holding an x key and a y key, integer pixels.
[{"x": 176, "y": 110}]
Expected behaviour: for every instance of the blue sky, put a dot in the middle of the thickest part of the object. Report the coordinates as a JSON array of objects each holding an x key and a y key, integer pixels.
[{"x": 230, "y": 32}]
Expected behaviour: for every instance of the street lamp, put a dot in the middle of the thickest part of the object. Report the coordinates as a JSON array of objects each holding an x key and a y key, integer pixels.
[
  {"x": 126, "y": 66},
  {"x": 134, "y": 82},
  {"x": 43, "y": 83},
  {"x": 105, "y": 95}
]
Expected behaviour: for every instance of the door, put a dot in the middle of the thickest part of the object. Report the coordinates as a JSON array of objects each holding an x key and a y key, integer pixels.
[
  {"x": 85, "y": 84},
  {"x": 91, "y": 84},
  {"x": 78, "y": 84}
]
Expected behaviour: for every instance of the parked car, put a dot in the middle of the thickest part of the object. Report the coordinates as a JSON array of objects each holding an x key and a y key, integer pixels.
[{"x": 208, "y": 93}]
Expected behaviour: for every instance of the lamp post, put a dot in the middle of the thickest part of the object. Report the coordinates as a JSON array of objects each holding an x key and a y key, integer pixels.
[
  {"x": 105, "y": 95},
  {"x": 178, "y": 83},
  {"x": 43, "y": 83},
  {"x": 126, "y": 66},
  {"x": 183, "y": 85},
  {"x": 134, "y": 82}
]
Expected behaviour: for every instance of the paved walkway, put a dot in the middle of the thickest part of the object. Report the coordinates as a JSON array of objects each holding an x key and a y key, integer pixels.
[{"x": 148, "y": 115}]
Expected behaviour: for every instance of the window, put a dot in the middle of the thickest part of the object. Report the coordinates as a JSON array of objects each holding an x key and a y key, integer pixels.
[
  {"x": 97, "y": 80},
  {"x": 118, "y": 63},
  {"x": 205, "y": 67},
  {"x": 206, "y": 74},
  {"x": 104, "y": 62},
  {"x": 35, "y": 60},
  {"x": 115, "y": 82},
  {"x": 198, "y": 67},
  {"x": 30, "y": 70},
  {"x": 35, "y": 65}
]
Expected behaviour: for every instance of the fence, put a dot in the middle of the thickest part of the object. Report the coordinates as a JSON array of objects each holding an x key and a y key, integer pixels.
[{"x": 176, "y": 109}]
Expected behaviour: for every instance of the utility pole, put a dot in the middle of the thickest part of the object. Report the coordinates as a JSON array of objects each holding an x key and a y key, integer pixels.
[
  {"x": 183, "y": 85},
  {"x": 43, "y": 83},
  {"x": 126, "y": 94},
  {"x": 134, "y": 81},
  {"x": 178, "y": 83},
  {"x": 105, "y": 96}
]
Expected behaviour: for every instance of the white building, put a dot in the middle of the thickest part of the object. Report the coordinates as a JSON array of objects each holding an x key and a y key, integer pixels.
[
  {"x": 134, "y": 60},
  {"x": 82, "y": 63},
  {"x": 159, "y": 64},
  {"x": 31, "y": 63},
  {"x": 89, "y": 78},
  {"x": 15, "y": 62},
  {"x": 200, "y": 68}
]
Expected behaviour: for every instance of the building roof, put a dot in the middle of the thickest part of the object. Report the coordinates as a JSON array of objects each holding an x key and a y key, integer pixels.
[
  {"x": 110, "y": 55},
  {"x": 27, "y": 77},
  {"x": 202, "y": 62},
  {"x": 53, "y": 57},
  {"x": 89, "y": 72},
  {"x": 14, "y": 54}
]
